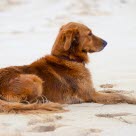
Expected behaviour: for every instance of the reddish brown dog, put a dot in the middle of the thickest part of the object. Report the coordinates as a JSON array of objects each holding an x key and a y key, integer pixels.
[{"x": 62, "y": 76}]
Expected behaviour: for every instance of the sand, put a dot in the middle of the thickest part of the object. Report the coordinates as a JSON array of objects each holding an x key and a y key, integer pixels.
[{"x": 27, "y": 31}]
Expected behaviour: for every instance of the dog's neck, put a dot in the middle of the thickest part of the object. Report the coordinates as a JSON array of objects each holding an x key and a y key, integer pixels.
[{"x": 78, "y": 60}]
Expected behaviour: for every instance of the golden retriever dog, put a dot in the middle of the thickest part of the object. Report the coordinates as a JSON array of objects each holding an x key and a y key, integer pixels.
[{"x": 61, "y": 77}]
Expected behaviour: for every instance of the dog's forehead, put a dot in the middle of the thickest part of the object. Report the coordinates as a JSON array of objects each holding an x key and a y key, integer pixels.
[
  {"x": 84, "y": 28},
  {"x": 78, "y": 26}
]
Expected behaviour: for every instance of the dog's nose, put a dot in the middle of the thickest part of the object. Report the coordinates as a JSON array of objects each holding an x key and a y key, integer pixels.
[{"x": 104, "y": 43}]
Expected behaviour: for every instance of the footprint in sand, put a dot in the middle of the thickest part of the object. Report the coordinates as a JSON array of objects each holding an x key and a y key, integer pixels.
[
  {"x": 47, "y": 119},
  {"x": 44, "y": 124},
  {"x": 107, "y": 86},
  {"x": 128, "y": 118},
  {"x": 42, "y": 128}
]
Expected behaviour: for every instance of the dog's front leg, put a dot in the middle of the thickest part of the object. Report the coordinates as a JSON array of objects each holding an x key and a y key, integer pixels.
[{"x": 111, "y": 98}]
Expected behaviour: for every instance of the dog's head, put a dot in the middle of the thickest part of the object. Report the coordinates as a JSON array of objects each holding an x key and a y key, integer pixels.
[{"x": 75, "y": 40}]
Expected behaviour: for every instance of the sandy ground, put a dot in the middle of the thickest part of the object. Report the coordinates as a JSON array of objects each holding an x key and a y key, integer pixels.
[{"x": 27, "y": 31}]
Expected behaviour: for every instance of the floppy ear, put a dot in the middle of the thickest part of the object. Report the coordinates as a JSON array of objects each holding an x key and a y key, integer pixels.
[{"x": 70, "y": 36}]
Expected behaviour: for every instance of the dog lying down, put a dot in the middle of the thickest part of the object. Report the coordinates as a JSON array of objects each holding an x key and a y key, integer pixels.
[{"x": 60, "y": 77}]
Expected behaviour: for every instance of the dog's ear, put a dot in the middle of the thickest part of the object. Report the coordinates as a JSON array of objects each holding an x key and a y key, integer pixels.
[{"x": 69, "y": 37}]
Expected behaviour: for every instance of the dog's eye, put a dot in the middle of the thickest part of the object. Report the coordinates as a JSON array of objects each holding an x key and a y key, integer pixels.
[{"x": 90, "y": 33}]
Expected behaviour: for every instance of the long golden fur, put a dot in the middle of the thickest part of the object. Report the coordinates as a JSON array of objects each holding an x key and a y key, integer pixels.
[{"x": 60, "y": 77}]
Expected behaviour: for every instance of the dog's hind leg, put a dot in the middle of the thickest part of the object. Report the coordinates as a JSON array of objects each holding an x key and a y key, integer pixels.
[
  {"x": 111, "y": 98},
  {"x": 25, "y": 87}
]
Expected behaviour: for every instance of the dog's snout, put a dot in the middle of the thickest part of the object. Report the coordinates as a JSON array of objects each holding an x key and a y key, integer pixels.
[{"x": 104, "y": 43}]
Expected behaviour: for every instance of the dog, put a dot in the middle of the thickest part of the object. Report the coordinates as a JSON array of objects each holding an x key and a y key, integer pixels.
[{"x": 60, "y": 77}]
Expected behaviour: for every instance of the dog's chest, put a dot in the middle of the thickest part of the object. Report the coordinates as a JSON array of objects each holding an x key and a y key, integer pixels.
[{"x": 75, "y": 80}]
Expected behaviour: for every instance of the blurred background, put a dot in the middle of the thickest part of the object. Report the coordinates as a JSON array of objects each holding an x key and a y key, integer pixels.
[{"x": 28, "y": 29}]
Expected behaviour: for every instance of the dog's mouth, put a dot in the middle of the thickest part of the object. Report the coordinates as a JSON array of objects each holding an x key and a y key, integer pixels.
[
  {"x": 98, "y": 50},
  {"x": 90, "y": 51}
]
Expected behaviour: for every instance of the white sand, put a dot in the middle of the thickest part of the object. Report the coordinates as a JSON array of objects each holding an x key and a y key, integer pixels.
[{"x": 30, "y": 26}]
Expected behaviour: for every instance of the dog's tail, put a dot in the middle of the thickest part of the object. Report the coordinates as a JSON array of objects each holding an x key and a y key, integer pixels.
[
  {"x": 111, "y": 98},
  {"x": 15, "y": 106}
]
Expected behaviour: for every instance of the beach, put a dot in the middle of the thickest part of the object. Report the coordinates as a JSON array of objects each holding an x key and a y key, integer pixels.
[{"x": 28, "y": 29}]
